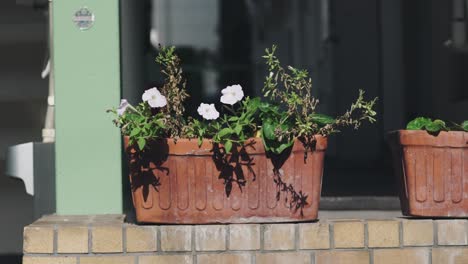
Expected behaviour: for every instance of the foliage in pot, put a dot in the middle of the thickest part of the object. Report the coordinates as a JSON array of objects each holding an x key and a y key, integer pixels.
[
  {"x": 431, "y": 165},
  {"x": 255, "y": 160}
]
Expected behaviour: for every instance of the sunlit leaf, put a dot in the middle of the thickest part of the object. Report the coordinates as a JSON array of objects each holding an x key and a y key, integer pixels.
[
  {"x": 225, "y": 132},
  {"x": 418, "y": 123},
  {"x": 228, "y": 146},
  {"x": 141, "y": 143},
  {"x": 268, "y": 130},
  {"x": 238, "y": 129},
  {"x": 135, "y": 131},
  {"x": 464, "y": 125}
]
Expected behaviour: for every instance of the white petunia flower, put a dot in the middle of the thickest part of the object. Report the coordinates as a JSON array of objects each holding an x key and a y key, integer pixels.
[
  {"x": 208, "y": 111},
  {"x": 122, "y": 107},
  {"x": 154, "y": 98},
  {"x": 232, "y": 94}
]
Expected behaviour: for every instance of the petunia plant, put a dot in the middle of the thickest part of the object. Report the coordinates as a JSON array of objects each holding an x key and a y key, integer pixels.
[
  {"x": 286, "y": 112},
  {"x": 161, "y": 112},
  {"x": 140, "y": 122},
  {"x": 234, "y": 127}
]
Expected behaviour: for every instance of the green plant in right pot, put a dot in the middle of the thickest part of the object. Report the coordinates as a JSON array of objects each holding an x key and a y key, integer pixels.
[{"x": 435, "y": 126}]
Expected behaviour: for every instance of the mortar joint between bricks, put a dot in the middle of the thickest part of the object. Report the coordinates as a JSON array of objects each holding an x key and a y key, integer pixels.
[
  {"x": 228, "y": 237},
  {"x": 296, "y": 237},
  {"x": 430, "y": 256},
  {"x": 366, "y": 234},
  {"x": 124, "y": 238},
  {"x": 262, "y": 238},
  {"x": 194, "y": 251},
  {"x": 436, "y": 233},
  {"x": 466, "y": 222},
  {"x": 55, "y": 240},
  {"x": 193, "y": 240},
  {"x": 151, "y": 253},
  {"x": 90, "y": 238},
  {"x": 279, "y": 251},
  {"x": 400, "y": 233},
  {"x": 371, "y": 256},
  {"x": 158, "y": 239},
  {"x": 331, "y": 230},
  {"x": 253, "y": 258}
]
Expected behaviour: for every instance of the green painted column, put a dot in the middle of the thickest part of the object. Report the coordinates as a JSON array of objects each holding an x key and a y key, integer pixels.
[{"x": 87, "y": 82}]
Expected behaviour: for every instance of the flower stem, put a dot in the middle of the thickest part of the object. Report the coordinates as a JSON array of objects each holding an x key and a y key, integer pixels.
[{"x": 230, "y": 109}]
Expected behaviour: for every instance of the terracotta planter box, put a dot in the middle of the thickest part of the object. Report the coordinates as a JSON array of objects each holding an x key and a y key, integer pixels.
[
  {"x": 182, "y": 183},
  {"x": 432, "y": 172}
]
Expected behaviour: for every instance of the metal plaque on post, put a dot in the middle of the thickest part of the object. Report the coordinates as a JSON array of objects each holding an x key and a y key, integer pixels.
[{"x": 83, "y": 18}]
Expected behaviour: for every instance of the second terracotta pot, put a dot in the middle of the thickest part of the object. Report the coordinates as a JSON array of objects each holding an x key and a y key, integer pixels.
[
  {"x": 432, "y": 172},
  {"x": 182, "y": 183}
]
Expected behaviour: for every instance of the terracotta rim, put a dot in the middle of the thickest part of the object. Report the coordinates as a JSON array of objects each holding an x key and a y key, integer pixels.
[
  {"x": 186, "y": 146},
  {"x": 455, "y": 139}
]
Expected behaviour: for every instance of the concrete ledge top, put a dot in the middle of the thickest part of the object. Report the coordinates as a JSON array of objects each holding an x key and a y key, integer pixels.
[
  {"x": 354, "y": 215},
  {"x": 80, "y": 219}
]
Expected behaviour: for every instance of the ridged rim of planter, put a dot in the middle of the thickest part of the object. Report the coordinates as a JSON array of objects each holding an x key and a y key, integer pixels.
[
  {"x": 190, "y": 147},
  {"x": 454, "y": 139}
]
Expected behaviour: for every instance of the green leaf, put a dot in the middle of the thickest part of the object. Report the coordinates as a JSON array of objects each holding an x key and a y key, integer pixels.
[
  {"x": 264, "y": 106},
  {"x": 285, "y": 127},
  {"x": 233, "y": 119},
  {"x": 200, "y": 141},
  {"x": 135, "y": 131},
  {"x": 464, "y": 125},
  {"x": 224, "y": 132},
  {"x": 435, "y": 127},
  {"x": 242, "y": 116},
  {"x": 141, "y": 143},
  {"x": 268, "y": 130},
  {"x": 254, "y": 104},
  {"x": 440, "y": 123},
  {"x": 270, "y": 141},
  {"x": 267, "y": 107},
  {"x": 322, "y": 119},
  {"x": 141, "y": 119},
  {"x": 160, "y": 123},
  {"x": 418, "y": 123},
  {"x": 266, "y": 144},
  {"x": 238, "y": 129},
  {"x": 284, "y": 146},
  {"x": 228, "y": 146}
]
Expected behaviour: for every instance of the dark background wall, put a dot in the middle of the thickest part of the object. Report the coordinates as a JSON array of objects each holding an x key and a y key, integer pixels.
[
  {"x": 392, "y": 49},
  {"x": 23, "y": 96},
  {"x": 435, "y": 74}
]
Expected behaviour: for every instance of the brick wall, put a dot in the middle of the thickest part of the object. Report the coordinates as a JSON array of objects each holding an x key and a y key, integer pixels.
[{"x": 107, "y": 239}]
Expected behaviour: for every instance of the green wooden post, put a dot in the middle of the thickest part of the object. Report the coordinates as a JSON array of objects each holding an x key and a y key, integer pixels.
[{"x": 87, "y": 82}]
